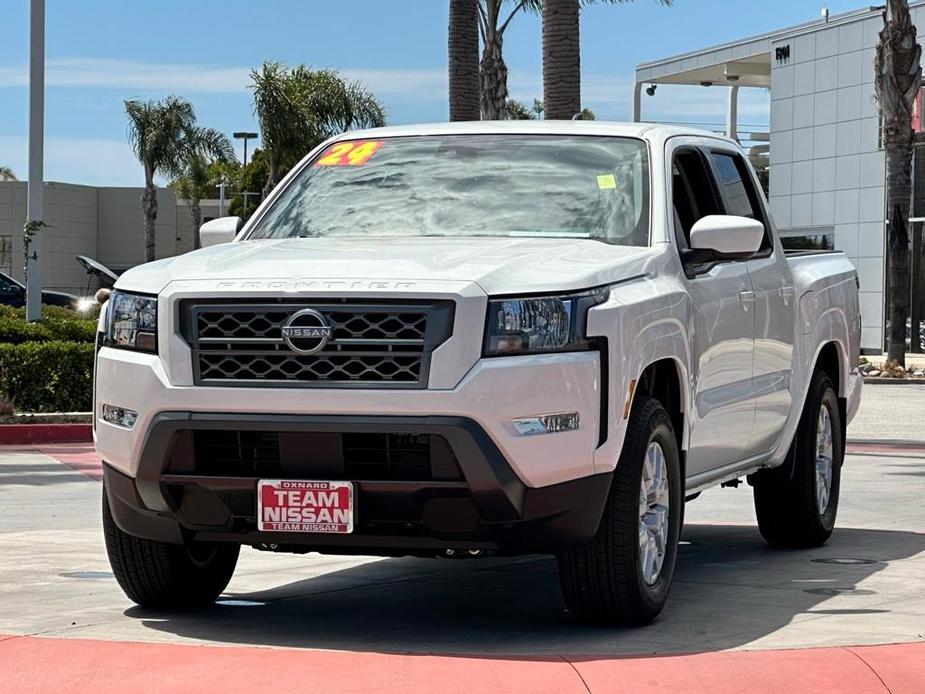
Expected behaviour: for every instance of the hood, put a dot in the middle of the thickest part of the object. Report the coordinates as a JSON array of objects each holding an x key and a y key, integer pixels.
[
  {"x": 498, "y": 265},
  {"x": 106, "y": 277}
]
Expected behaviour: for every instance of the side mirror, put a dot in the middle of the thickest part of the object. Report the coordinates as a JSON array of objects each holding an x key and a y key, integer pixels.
[
  {"x": 221, "y": 230},
  {"x": 727, "y": 235}
]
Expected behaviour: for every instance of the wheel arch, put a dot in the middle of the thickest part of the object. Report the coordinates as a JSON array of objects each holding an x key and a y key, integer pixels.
[
  {"x": 662, "y": 379},
  {"x": 832, "y": 360}
]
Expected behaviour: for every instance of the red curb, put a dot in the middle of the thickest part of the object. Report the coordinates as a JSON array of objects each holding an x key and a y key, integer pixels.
[
  {"x": 30, "y": 664},
  {"x": 901, "y": 667},
  {"x": 19, "y": 434}
]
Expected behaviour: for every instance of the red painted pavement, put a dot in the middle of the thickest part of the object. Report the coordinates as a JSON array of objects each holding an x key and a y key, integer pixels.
[
  {"x": 78, "y": 456},
  {"x": 81, "y": 457},
  {"x": 35, "y": 664}
]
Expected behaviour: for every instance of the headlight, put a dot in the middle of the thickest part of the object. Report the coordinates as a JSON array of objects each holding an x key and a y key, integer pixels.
[
  {"x": 539, "y": 324},
  {"x": 132, "y": 322}
]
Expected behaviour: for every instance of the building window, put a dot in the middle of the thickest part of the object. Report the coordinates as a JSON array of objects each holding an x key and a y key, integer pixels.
[{"x": 6, "y": 254}]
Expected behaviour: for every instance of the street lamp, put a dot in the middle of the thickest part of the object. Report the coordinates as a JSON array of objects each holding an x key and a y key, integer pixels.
[{"x": 245, "y": 136}]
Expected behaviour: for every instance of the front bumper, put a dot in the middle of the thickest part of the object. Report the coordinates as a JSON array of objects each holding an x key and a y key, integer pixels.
[
  {"x": 486, "y": 507},
  {"x": 493, "y": 394}
]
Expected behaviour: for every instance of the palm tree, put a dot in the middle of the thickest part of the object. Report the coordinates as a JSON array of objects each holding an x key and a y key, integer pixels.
[
  {"x": 463, "y": 40},
  {"x": 6, "y": 174},
  {"x": 898, "y": 79},
  {"x": 194, "y": 184},
  {"x": 492, "y": 68},
  {"x": 562, "y": 56},
  {"x": 165, "y": 137},
  {"x": 299, "y": 108}
]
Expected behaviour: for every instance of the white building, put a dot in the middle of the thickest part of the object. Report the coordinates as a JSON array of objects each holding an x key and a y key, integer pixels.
[
  {"x": 104, "y": 223},
  {"x": 826, "y": 163}
]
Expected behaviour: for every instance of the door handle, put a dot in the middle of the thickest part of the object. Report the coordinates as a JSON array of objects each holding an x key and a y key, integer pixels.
[
  {"x": 747, "y": 297},
  {"x": 787, "y": 292}
]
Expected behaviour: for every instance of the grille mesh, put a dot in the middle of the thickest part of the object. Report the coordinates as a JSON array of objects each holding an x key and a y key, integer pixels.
[
  {"x": 361, "y": 456},
  {"x": 386, "y": 345}
]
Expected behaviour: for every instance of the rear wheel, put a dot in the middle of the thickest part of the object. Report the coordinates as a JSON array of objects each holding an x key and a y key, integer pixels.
[
  {"x": 796, "y": 504},
  {"x": 160, "y": 574},
  {"x": 624, "y": 574}
]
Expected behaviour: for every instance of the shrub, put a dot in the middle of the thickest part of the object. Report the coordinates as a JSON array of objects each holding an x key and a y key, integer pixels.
[
  {"x": 57, "y": 324},
  {"x": 52, "y": 376}
]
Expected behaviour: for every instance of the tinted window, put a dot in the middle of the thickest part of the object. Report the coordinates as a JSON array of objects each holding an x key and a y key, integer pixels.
[
  {"x": 471, "y": 185},
  {"x": 739, "y": 195},
  {"x": 736, "y": 190},
  {"x": 692, "y": 192}
]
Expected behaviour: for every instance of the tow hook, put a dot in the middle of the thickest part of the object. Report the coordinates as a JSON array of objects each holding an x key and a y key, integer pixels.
[{"x": 462, "y": 553}]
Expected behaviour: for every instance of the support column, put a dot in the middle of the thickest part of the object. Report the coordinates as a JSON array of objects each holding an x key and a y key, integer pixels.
[
  {"x": 732, "y": 113},
  {"x": 35, "y": 186},
  {"x": 637, "y": 102}
]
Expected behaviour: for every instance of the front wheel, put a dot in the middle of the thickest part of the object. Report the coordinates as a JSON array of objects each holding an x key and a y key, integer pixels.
[
  {"x": 160, "y": 574},
  {"x": 623, "y": 575},
  {"x": 796, "y": 503}
]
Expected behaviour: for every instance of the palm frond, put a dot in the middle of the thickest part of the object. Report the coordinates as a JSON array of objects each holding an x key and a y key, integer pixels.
[{"x": 300, "y": 107}]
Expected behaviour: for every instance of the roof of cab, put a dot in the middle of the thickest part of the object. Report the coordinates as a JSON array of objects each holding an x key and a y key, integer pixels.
[{"x": 646, "y": 131}]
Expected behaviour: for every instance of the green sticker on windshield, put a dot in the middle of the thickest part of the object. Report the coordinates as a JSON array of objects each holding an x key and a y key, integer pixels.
[{"x": 606, "y": 182}]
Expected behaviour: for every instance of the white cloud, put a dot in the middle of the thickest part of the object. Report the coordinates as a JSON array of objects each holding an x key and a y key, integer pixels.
[
  {"x": 609, "y": 94},
  {"x": 106, "y": 73},
  {"x": 87, "y": 161}
]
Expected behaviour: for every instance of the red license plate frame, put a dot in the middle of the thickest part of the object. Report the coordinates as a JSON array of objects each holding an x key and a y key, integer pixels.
[{"x": 306, "y": 506}]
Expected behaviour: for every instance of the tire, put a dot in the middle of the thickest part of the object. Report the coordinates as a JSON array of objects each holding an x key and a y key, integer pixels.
[
  {"x": 163, "y": 575},
  {"x": 604, "y": 582},
  {"x": 787, "y": 500}
]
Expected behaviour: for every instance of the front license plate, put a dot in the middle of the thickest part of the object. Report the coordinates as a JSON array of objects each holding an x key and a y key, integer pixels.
[{"x": 305, "y": 506}]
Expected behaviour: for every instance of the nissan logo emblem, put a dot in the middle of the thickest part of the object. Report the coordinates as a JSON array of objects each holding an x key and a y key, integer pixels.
[{"x": 306, "y": 331}]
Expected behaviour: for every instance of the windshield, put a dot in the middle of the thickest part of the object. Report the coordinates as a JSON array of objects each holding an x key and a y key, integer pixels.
[{"x": 469, "y": 185}]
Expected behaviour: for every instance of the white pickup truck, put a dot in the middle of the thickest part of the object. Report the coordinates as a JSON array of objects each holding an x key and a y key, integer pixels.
[{"x": 483, "y": 338}]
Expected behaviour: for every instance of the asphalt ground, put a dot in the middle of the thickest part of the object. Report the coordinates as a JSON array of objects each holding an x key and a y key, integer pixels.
[{"x": 740, "y": 618}]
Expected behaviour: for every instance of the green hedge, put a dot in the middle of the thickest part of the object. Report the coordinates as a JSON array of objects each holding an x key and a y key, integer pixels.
[
  {"x": 53, "y": 376},
  {"x": 57, "y": 324}
]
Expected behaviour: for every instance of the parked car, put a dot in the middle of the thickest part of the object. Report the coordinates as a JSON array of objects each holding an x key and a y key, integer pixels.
[
  {"x": 13, "y": 293},
  {"x": 95, "y": 269},
  {"x": 498, "y": 337}
]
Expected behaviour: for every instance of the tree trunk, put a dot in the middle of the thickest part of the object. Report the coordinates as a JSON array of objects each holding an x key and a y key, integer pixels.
[
  {"x": 899, "y": 196},
  {"x": 272, "y": 174},
  {"x": 195, "y": 212},
  {"x": 149, "y": 208},
  {"x": 493, "y": 74},
  {"x": 561, "y": 59},
  {"x": 463, "y": 42},
  {"x": 898, "y": 77}
]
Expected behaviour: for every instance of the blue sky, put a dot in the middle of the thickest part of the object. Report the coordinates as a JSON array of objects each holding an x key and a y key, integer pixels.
[{"x": 100, "y": 52}]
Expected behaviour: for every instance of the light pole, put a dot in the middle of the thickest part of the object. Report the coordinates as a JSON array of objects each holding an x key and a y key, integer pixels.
[
  {"x": 35, "y": 186},
  {"x": 222, "y": 185},
  {"x": 245, "y": 136}
]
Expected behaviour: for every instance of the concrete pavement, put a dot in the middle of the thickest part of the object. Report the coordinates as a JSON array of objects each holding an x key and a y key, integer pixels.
[
  {"x": 500, "y": 617},
  {"x": 894, "y": 412}
]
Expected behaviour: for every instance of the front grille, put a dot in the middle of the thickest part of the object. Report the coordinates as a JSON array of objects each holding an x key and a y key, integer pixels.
[
  {"x": 371, "y": 344},
  {"x": 311, "y": 455}
]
